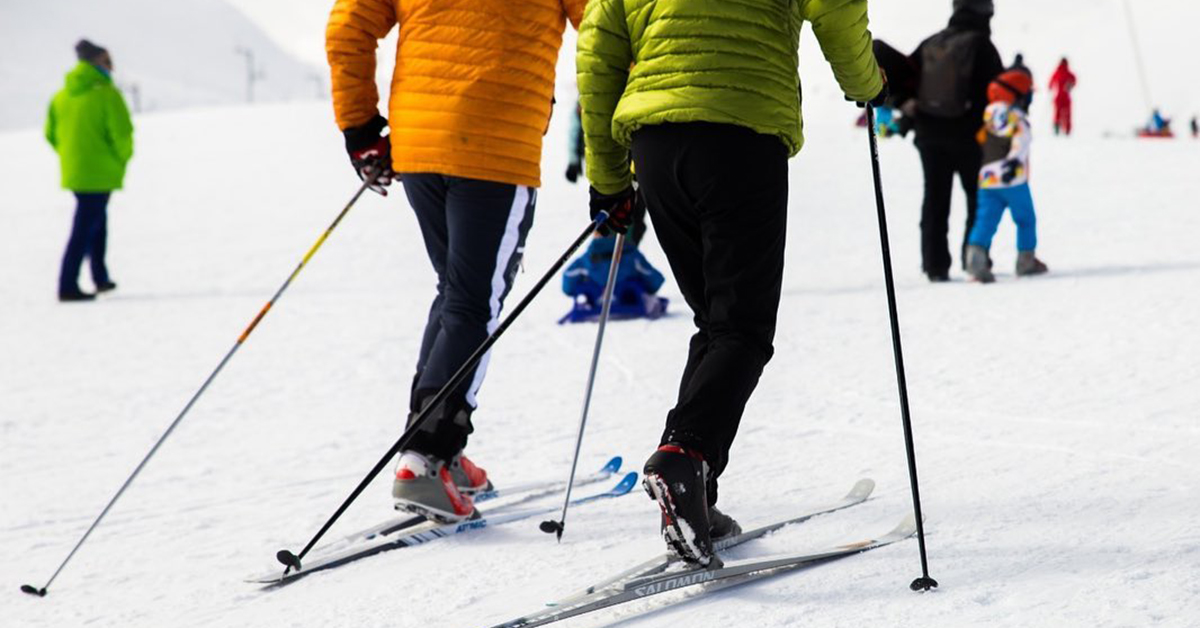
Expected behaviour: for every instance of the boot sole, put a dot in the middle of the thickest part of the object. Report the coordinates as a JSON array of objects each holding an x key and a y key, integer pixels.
[
  {"x": 673, "y": 533},
  {"x": 433, "y": 514}
]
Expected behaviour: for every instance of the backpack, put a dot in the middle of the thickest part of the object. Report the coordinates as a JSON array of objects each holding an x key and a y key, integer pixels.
[{"x": 947, "y": 61}]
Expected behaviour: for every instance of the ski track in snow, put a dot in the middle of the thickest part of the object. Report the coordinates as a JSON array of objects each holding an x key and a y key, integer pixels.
[{"x": 1055, "y": 418}]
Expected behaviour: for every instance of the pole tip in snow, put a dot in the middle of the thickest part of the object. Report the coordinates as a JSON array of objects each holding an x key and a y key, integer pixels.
[
  {"x": 32, "y": 590},
  {"x": 289, "y": 559},
  {"x": 924, "y": 583},
  {"x": 552, "y": 527}
]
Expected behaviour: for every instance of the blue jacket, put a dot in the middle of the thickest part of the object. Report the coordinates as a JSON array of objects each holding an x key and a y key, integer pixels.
[{"x": 588, "y": 273}]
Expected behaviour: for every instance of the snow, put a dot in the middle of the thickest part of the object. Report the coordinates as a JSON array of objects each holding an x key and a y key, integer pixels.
[
  {"x": 167, "y": 55},
  {"x": 1055, "y": 418}
]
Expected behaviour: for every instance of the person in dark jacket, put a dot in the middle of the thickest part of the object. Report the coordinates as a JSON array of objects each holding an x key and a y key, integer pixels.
[{"x": 949, "y": 114}]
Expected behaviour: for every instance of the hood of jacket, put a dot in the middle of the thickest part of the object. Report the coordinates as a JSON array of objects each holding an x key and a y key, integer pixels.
[
  {"x": 85, "y": 76},
  {"x": 971, "y": 21}
]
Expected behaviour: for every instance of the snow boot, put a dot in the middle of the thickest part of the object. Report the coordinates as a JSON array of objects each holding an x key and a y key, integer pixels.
[
  {"x": 1028, "y": 264},
  {"x": 721, "y": 526},
  {"x": 424, "y": 486},
  {"x": 979, "y": 267},
  {"x": 69, "y": 296},
  {"x": 469, "y": 478},
  {"x": 105, "y": 286},
  {"x": 675, "y": 478}
]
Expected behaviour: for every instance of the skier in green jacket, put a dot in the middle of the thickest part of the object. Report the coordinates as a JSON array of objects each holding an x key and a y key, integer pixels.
[
  {"x": 707, "y": 96},
  {"x": 89, "y": 126}
]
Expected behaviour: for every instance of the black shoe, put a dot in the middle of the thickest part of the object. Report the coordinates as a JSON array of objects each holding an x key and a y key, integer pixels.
[
  {"x": 941, "y": 277},
  {"x": 75, "y": 295},
  {"x": 675, "y": 479},
  {"x": 105, "y": 287},
  {"x": 721, "y": 526}
]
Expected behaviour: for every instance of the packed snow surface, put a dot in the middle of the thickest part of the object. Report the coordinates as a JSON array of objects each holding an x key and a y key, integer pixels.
[{"x": 1055, "y": 418}]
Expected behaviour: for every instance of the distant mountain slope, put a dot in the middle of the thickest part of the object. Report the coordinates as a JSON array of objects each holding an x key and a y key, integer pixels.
[{"x": 178, "y": 53}]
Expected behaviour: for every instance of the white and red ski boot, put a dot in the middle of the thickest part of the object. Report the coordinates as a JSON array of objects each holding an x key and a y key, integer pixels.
[{"x": 424, "y": 486}]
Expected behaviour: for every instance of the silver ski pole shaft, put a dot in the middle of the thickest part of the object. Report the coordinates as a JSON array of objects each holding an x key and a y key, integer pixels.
[
  {"x": 557, "y": 527},
  {"x": 368, "y": 182}
]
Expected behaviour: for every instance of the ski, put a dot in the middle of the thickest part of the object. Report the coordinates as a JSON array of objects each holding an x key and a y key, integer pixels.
[
  {"x": 527, "y": 492},
  {"x": 857, "y": 495},
  {"x": 731, "y": 574},
  {"x": 428, "y": 531}
]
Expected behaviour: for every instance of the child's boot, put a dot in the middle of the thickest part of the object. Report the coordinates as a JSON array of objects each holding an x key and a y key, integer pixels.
[
  {"x": 1029, "y": 264},
  {"x": 979, "y": 267}
]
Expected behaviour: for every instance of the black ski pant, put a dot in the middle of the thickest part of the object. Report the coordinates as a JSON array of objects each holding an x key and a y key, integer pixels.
[
  {"x": 941, "y": 160},
  {"x": 475, "y": 234},
  {"x": 717, "y": 194}
]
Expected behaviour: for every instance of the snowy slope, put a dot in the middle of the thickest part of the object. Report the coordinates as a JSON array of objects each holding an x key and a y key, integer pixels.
[
  {"x": 1055, "y": 418},
  {"x": 178, "y": 53}
]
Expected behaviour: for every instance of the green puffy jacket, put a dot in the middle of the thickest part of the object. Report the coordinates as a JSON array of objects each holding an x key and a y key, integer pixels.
[
  {"x": 89, "y": 126},
  {"x": 643, "y": 62}
]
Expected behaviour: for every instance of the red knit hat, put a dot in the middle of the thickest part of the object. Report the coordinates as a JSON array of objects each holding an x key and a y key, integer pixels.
[{"x": 1010, "y": 87}]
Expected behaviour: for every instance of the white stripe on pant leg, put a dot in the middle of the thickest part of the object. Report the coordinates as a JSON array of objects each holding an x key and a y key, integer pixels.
[{"x": 504, "y": 255}]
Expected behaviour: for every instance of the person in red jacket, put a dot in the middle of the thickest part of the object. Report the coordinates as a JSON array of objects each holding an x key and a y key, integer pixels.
[{"x": 1061, "y": 83}]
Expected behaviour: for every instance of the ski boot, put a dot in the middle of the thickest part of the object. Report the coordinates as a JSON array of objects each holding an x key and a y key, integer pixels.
[
  {"x": 979, "y": 267},
  {"x": 721, "y": 526},
  {"x": 424, "y": 486},
  {"x": 1028, "y": 264},
  {"x": 469, "y": 478},
  {"x": 675, "y": 478}
]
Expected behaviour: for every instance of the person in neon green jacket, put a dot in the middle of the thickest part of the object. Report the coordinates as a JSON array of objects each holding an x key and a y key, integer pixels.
[
  {"x": 704, "y": 96},
  {"x": 89, "y": 127}
]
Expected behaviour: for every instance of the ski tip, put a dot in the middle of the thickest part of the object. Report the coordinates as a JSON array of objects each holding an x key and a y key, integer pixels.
[
  {"x": 32, "y": 590},
  {"x": 626, "y": 484},
  {"x": 862, "y": 489},
  {"x": 613, "y": 465},
  {"x": 290, "y": 560},
  {"x": 906, "y": 528}
]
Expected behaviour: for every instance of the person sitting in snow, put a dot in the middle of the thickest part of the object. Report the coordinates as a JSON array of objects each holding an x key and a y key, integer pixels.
[
  {"x": 636, "y": 282},
  {"x": 1158, "y": 126},
  {"x": 1004, "y": 178}
]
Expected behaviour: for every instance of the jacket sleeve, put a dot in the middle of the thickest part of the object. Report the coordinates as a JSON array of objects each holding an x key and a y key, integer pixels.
[
  {"x": 602, "y": 64},
  {"x": 574, "y": 11},
  {"x": 51, "y": 124},
  {"x": 841, "y": 30},
  {"x": 351, "y": 37},
  {"x": 120, "y": 127}
]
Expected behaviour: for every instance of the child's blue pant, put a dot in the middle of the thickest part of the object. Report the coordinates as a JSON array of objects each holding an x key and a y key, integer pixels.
[{"x": 992, "y": 203}]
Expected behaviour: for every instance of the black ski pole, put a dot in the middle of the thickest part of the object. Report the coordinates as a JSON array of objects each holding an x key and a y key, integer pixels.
[
  {"x": 291, "y": 560},
  {"x": 550, "y": 526},
  {"x": 32, "y": 590},
  {"x": 924, "y": 583}
]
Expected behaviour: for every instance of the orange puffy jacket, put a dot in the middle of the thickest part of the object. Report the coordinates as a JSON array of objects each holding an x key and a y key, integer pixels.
[{"x": 474, "y": 80}]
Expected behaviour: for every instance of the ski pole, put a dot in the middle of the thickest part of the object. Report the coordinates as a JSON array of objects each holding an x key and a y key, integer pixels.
[
  {"x": 550, "y": 525},
  {"x": 923, "y": 583},
  {"x": 291, "y": 560},
  {"x": 32, "y": 590}
]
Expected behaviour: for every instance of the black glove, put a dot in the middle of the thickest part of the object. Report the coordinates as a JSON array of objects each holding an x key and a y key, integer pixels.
[
  {"x": 369, "y": 149},
  {"x": 881, "y": 98},
  {"x": 573, "y": 171},
  {"x": 1009, "y": 171},
  {"x": 619, "y": 207}
]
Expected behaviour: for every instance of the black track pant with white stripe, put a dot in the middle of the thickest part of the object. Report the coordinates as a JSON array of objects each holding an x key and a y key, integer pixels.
[{"x": 475, "y": 233}]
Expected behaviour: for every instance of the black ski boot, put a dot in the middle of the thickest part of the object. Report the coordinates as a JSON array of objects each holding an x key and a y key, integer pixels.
[
  {"x": 675, "y": 479},
  {"x": 721, "y": 526}
]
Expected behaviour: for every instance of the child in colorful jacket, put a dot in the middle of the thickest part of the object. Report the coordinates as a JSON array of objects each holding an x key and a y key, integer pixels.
[{"x": 1004, "y": 178}]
